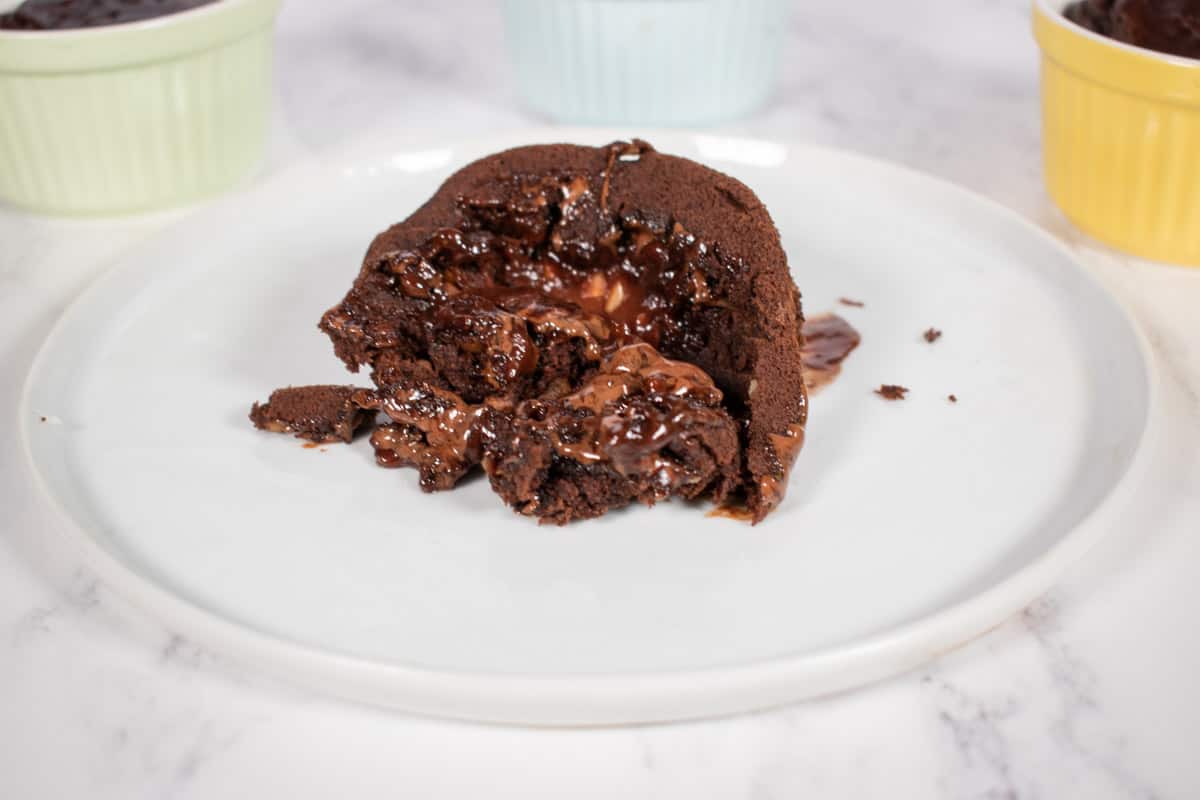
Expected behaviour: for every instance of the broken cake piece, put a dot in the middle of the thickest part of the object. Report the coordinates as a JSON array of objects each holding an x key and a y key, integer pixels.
[
  {"x": 642, "y": 428},
  {"x": 432, "y": 428},
  {"x": 316, "y": 413}
]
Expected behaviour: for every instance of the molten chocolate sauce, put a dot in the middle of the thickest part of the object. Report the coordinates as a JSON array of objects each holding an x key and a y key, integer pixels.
[{"x": 828, "y": 339}]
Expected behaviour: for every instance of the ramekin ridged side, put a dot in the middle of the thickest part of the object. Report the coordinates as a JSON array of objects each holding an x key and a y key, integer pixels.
[
  {"x": 646, "y": 62},
  {"x": 1121, "y": 139},
  {"x": 135, "y": 117}
]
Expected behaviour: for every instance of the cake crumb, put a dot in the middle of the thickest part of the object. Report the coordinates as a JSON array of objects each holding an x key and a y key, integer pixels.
[
  {"x": 952, "y": 399},
  {"x": 43, "y": 419},
  {"x": 846, "y": 301},
  {"x": 890, "y": 391},
  {"x": 932, "y": 335}
]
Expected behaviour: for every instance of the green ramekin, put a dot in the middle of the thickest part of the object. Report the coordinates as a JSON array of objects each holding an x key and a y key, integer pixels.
[{"x": 138, "y": 116}]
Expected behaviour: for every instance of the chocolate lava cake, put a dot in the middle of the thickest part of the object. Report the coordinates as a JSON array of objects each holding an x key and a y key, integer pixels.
[
  {"x": 1168, "y": 26},
  {"x": 593, "y": 326}
]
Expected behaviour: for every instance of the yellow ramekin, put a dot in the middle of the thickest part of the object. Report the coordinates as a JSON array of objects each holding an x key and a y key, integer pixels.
[
  {"x": 138, "y": 116},
  {"x": 1121, "y": 139}
]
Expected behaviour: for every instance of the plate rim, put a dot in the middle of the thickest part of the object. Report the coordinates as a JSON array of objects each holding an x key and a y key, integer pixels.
[{"x": 615, "y": 698}]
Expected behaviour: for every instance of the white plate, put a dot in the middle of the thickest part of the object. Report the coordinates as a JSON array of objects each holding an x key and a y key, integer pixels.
[{"x": 908, "y": 528}]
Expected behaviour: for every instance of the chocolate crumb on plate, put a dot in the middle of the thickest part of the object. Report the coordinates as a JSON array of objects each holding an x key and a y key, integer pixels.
[
  {"x": 932, "y": 335},
  {"x": 952, "y": 398},
  {"x": 846, "y": 301},
  {"x": 890, "y": 391}
]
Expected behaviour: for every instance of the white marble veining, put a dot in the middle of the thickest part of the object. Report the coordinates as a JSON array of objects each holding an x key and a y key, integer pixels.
[{"x": 1090, "y": 693}]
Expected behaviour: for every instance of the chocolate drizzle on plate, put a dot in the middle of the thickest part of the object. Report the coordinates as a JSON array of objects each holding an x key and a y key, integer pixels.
[{"x": 828, "y": 339}]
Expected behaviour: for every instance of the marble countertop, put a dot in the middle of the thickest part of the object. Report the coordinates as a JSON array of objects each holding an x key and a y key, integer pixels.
[{"x": 1090, "y": 692}]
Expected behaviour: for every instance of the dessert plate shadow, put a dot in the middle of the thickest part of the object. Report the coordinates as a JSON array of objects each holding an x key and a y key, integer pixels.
[{"x": 910, "y": 526}]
